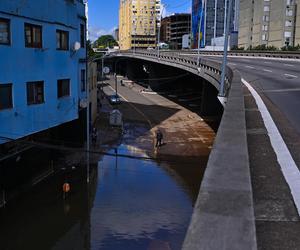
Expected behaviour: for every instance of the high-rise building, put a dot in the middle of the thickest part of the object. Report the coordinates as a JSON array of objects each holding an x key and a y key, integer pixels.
[
  {"x": 174, "y": 27},
  {"x": 212, "y": 14},
  {"x": 116, "y": 34},
  {"x": 269, "y": 22},
  {"x": 138, "y": 20}
]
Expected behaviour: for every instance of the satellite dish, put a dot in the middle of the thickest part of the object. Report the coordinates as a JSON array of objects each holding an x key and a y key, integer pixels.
[{"x": 76, "y": 46}]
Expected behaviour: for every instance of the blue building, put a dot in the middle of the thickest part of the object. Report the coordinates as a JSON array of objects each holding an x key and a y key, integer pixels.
[{"x": 42, "y": 65}]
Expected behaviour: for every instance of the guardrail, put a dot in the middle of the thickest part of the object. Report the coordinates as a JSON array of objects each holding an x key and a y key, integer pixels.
[
  {"x": 207, "y": 69},
  {"x": 251, "y": 53}
]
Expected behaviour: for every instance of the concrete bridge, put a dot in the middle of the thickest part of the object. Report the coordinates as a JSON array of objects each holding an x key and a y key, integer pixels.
[{"x": 223, "y": 216}]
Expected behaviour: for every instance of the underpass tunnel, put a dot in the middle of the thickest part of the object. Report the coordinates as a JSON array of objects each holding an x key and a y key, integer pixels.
[{"x": 183, "y": 87}]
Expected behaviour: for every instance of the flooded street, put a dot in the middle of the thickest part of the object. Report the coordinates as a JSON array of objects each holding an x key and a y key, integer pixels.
[
  {"x": 129, "y": 203},
  {"x": 138, "y": 197},
  {"x": 137, "y": 205}
]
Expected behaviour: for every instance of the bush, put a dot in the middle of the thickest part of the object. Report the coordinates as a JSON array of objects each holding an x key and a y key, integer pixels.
[
  {"x": 290, "y": 48},
  {"x": 264, "y": 47},
  {"x": 237, "y": 48}
]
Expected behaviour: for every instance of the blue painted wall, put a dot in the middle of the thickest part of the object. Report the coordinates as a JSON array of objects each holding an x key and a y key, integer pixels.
[{"x": 19, "y": 65}]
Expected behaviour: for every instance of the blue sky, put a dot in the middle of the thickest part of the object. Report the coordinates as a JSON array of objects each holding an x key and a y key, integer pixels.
[{"x": 103, "y": 14}]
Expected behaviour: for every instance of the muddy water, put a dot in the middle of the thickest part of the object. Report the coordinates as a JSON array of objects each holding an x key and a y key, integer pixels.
[{"x": 129, "y": 203}]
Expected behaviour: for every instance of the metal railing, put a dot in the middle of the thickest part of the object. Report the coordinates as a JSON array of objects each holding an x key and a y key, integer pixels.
[
  {"x": 205, "y": 68},
  {"x": 245, "y": 53}
]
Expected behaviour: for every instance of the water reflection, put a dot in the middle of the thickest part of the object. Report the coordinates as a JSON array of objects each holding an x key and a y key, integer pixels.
[
  {"x": 128, "y": 204},
  {"x": 135, "y": 204}
]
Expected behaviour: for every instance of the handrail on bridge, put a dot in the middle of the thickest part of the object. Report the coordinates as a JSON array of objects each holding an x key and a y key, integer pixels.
[{"x": 207, "y": 69}]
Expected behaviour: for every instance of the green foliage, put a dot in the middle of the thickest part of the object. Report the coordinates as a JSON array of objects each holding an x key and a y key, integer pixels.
[
  {"x": 237, "y": 48},
  {"x": 291, "y": 48},
  {"x": 105, "y": 41},
  {"x": 89, "y": 48},
  {"x": 264, "y": 47}
]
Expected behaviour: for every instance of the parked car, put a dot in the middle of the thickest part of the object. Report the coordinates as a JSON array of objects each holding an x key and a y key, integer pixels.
[{"x": 114, "y": 99}]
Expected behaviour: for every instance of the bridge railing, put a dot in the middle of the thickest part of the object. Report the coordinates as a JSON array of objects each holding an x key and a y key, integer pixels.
[
  {"x": 245, "y": 53},
  {"x": 209, "y": 70}
]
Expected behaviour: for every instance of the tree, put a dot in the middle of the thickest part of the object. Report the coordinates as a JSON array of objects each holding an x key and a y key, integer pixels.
[
  {"x": 105, "y": 41},
  {"x": 89, "y": 48}
]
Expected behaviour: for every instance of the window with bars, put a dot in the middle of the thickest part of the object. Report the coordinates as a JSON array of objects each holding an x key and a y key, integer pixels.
[
  {"x": 33, "y": 36},
  {"x": 62, "y": 40},
  {"x": 4, "y": 31},
  {"x": 6, "y": 96},
  {"x": 35, "y": 92},
  {"x": 82, "y": 36},
  {"x": 63, "y": 88}
]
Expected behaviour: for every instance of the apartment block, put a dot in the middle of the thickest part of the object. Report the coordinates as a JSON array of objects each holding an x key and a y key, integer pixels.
[
  {"x": 42, "y": 65},
  {"x": 174, "y": 27},
  {"x": 138, "y": 23},
  {"x": 269, "y": 22}
]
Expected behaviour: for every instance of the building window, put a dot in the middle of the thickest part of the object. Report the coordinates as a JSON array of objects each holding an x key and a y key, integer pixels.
[
  {"x": 287, "y": 34},
  {"x": 82, "y": 36},
  {"x": 266, "y": 18},
  {"x": 63, "y": 88},
  {"x": 33, "y": 36},
  {"x": 83, "y": 80},
  {"x": 35, "y": 92},
  {"x": 289, "y": 12},
  {"x": 264, "y": 37},
  {"x": 6, "y": 96},
  {"x": 4, "y": 31},
  {"x": 62, "y": 40},
  {"x": 288, "y": 23}
]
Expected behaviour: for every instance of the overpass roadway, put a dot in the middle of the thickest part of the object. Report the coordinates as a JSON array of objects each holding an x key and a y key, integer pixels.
[
  {"x": 277, "y": 82},
  {"x": 276, "y": 79}
]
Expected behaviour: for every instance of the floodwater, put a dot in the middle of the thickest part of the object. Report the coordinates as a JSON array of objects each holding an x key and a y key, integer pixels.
[{"x": 129, "y": 203}]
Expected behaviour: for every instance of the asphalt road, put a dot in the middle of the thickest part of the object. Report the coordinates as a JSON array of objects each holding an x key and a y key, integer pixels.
[
  {"x": 278, "y": 80},
  {"x": 278, "y": 84}
]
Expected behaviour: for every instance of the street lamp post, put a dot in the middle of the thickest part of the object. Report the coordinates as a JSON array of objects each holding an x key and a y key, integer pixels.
[
  {"x": 199, "y": 36},
  {"x": 215, "y": 22},
  {"x": 116, "y": 83},
  {"x": 159, "y": 28},
  {"x": 222, "y": 96},
  {"x": 116, "y": 80}
]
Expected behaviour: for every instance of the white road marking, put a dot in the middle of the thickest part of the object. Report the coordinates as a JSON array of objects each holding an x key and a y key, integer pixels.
[
  {"x": 288, "y": 166},
  {"x": 282, "y": 90},
  {"x": 268, "y": 62},
  {"x": 289, "y": 65},
  {"x": 288, "y": 75},
  {"x": 232, "y": 64},
  {"x": 267, "y": 70},
  {"x": 249, "y": 67}
]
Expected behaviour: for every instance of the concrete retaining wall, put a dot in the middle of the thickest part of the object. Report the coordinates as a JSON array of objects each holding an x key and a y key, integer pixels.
[{"x": 223, "y": 216}]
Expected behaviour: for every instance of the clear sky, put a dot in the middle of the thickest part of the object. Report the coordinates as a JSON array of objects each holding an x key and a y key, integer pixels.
[{"x": 103, "y": 14}]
